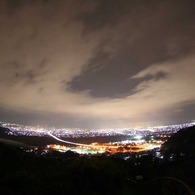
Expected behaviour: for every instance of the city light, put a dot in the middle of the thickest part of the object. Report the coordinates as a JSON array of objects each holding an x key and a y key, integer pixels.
[{"x": 134, "y": 140}]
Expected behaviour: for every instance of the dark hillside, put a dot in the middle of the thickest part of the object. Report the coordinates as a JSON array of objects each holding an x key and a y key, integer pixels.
[{"x": 180, "y": 144}]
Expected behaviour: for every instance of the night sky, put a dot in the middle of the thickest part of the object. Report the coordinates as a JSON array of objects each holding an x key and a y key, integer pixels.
[{"x": 97, "y": 63}]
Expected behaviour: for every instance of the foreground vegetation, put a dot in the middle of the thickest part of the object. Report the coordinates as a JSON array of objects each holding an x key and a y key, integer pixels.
[{"x": 69, "y": 173}]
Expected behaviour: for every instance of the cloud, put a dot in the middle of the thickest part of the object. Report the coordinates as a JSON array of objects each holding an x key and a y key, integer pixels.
[
  {"x": 38, "y": 52},
  {"x": 141, "y": 35},
  {"x": 155, "y": 99},
  {"x": 93, "y": 64}
]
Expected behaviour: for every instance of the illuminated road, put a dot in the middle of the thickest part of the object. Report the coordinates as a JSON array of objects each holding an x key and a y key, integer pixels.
[
  {"x": 107, "y": 147},
  {"x": 67, "y": 142}
]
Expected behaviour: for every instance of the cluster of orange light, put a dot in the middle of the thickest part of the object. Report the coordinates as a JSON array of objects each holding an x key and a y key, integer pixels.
[
  {"x": 164, "y": 136},
  {"x": 119, "y": 148}
]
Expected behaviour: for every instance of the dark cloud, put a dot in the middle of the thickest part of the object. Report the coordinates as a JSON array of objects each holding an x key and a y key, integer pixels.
[
  {"x": 14, "y": 4},
  {"x": 182, "y": 113},
  {"x": 18, "y": 71},
  {"x": 167, "y": 34},
  {"x": 105, "y": 77},
  {"x": 107, "y": 13}
]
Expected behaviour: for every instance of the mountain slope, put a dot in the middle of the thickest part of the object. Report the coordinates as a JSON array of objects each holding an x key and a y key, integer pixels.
[{"x": 181, "y": 144}]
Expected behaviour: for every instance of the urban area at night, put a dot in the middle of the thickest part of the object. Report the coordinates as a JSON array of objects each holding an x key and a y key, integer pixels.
[
  {"x": 126, "y": 140},
  {"x": 97, "y": 97}
]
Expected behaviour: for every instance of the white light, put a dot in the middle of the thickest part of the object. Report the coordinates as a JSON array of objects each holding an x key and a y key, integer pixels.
[{"x": 138, "y": 137}]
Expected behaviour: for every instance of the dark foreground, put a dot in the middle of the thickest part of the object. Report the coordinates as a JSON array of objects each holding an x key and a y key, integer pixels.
[{"x": 68, "y": 173}]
